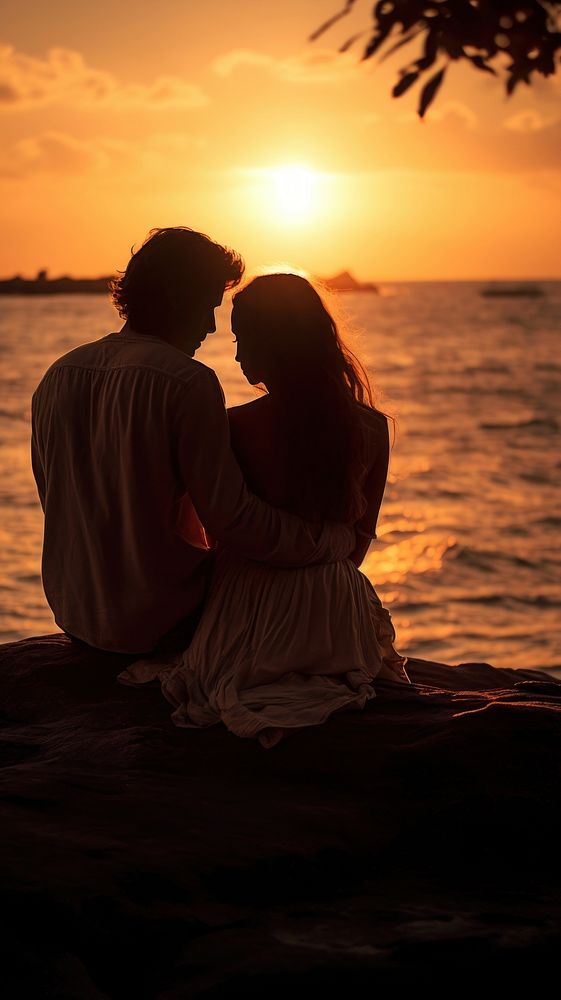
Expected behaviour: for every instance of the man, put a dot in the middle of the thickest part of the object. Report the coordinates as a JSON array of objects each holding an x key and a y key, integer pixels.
[{"x": 131, "y": 456}]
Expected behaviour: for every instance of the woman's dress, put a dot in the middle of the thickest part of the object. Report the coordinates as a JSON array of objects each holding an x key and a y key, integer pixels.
[{"x": 277, "y": 650}]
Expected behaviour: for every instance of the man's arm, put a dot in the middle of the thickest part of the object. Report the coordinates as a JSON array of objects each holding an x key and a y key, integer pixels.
[{"x": 233, "y": 515}]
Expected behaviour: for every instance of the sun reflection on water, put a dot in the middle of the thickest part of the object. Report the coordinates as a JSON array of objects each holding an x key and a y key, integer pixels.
[{"x": 419, "y": 554}]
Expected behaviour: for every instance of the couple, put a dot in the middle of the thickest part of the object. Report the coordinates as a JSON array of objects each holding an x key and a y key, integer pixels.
[{"x": 218, "y": 551}]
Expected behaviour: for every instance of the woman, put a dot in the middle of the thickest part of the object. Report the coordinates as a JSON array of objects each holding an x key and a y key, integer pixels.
[{"x": 281, "y": 649}]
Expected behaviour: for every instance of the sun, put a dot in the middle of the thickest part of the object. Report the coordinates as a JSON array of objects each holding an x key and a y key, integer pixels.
[
  {"x": 294, "y": 190},
  {"x": 287, "y": 196}
]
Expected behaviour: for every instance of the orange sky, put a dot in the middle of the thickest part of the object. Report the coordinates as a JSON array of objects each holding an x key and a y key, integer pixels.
[{"x": 120, "y": 117}]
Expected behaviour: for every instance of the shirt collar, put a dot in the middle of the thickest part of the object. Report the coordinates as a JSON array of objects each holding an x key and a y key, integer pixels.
[{"x": 127, "y": 331}]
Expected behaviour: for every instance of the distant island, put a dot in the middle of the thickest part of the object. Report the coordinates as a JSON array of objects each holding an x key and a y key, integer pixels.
[
  {"x": 523, "y": 290},
  {"x": 344, "y": 282},
  {"x": 43, "y": 285}
]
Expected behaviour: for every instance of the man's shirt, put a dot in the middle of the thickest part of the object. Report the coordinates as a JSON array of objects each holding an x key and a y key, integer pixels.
[{"x": 131, "y": 455}]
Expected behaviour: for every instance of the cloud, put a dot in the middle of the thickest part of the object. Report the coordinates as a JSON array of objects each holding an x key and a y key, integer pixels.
[
  {"x": 64, "y": 75},
  {"x": 51, "y": 152},
  {"x": 455, "y": 111},
  {"x": 61, "y": 154},
  {"x": 530, "y": 120},
  {"x": 319, "y": 66}
]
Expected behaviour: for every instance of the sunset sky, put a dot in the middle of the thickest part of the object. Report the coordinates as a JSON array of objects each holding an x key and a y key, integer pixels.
[{"x": 222, "y": 116}]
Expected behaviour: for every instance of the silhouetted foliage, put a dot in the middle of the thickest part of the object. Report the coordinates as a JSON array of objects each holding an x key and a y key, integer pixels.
[{"x": 474, "y": 30}]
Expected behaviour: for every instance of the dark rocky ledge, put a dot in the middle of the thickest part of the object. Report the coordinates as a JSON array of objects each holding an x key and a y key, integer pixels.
[{"x": 413, "y": 843}]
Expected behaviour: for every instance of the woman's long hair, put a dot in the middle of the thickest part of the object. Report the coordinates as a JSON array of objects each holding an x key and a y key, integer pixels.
[{"x": 318, "y": 383}]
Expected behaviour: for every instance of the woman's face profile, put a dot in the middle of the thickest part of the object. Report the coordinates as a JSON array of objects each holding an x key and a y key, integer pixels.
[{"x": 245, "y": 350}]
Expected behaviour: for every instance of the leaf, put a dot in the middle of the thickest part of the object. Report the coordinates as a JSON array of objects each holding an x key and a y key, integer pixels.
[
  {"x": 332, "y": 20},
  {"x": 430, "y": 91},
  {"x": 432, "y": 42},
  {"x": 406, "y": 81},
  {"x": 350, "y": 41},
  {"x": 402, "y": 41},
  {"x": 511, "y": 83},
  {"x": 481, "y": 64},
  {"x": 425, "y": 62},
  {"x": 374, "y": 43}
]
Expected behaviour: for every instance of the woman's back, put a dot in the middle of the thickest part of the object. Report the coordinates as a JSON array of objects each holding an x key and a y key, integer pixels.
[{"x": 260, "y": 444}]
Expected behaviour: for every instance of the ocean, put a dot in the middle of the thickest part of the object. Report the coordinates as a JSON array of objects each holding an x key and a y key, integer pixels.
[{"x": 467, "y": 558}]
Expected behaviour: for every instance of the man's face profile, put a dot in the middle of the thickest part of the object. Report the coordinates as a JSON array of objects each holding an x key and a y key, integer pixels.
[{"x": 201, "y": 321}]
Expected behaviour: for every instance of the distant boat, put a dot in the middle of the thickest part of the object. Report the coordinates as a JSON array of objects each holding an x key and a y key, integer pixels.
[
  {"x": 344, "y": 282},
  {"x": 513, "y": 291}
]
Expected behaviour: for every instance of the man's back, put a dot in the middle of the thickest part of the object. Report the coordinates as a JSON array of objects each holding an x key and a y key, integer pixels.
[{"x": 116, "y": 571}]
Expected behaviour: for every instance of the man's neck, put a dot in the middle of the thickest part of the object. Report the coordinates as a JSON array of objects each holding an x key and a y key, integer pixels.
[{"x": 169, "y": 337}]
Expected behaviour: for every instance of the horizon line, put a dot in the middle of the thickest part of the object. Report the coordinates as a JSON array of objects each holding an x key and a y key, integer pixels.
[{"x": 381, "y": 281}]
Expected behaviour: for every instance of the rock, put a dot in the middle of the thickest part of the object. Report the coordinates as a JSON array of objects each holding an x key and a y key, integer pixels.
[
  {"x": 345, "y": 282},
  {"x": 415, "y": 838}
]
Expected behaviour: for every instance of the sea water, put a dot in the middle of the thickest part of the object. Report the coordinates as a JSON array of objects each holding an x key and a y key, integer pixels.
[{"x": 467, "y": 557}]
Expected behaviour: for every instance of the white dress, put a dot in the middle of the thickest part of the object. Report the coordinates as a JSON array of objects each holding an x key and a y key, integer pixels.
[{"x": 277, "y": 650}]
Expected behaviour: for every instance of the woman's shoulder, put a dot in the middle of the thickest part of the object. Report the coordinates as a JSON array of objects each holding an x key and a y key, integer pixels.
[
  {"x": 248, "y": 411},
  {"x": 373, "y": 420},
  {"x": 252, "y": 425},
  {"x": 376, "y": 436}
]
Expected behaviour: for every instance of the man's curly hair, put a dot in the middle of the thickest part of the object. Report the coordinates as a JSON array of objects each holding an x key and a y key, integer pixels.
[{"x": 176, "y": 269}]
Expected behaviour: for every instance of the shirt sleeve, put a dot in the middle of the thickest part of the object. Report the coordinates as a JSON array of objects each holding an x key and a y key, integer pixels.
[{"x": 234, "y": 516}]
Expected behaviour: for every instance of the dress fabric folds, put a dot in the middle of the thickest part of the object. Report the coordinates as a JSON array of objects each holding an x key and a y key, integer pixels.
[{"x": 277, "y": 650}]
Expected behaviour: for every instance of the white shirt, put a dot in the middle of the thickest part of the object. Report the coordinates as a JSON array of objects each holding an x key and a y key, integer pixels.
[{"x": 130, "y": 450}]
